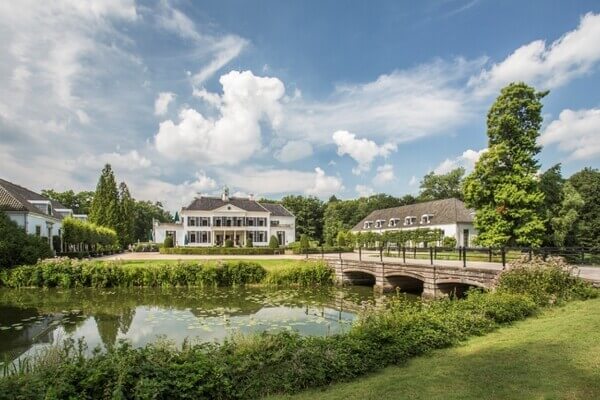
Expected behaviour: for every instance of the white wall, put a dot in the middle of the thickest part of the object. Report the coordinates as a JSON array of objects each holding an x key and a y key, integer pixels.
[
  {"x": 287, "y": 225},
  {"x": 159, "y": 233}
]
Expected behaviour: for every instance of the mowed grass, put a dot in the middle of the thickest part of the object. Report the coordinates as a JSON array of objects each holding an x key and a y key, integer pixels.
[
  {"x": 553, "y": 356},
  {"x": 268, "y": 264}
]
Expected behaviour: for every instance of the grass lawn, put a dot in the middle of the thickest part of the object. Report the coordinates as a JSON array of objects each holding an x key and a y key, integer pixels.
[
  {"x": 553, "y": 356},
  {"x": 268, "y": 264}
]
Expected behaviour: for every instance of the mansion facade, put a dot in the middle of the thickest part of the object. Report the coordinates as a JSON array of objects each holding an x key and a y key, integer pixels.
[
  {"x": 451, "y": 216},
  {"x": 210, "y": 221}
]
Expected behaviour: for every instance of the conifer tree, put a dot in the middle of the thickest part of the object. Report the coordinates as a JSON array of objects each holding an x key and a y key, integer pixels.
[
  {"x": 105, "y": 206},
  {"x": 126, "y": 215},
  {"x": 503, "y": 188}
]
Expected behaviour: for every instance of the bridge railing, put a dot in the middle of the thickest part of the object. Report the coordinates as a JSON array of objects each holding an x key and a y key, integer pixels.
[{"x": 503, "y": 255}]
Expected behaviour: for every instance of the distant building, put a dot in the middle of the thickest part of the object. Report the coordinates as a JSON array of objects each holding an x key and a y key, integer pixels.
[
  {"x": 33, "y": 212},
  {"x": 451, "y": 216},
  {"x": 210, "y": 221}
]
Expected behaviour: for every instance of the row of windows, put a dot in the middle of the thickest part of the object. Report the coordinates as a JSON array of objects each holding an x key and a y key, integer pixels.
[
  {"x": 205, "y": 236},
  {"x": 226, "y": 221},
  {"x": 410, "y": 220}
]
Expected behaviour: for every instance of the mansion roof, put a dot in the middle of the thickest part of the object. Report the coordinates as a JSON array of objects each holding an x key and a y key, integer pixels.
[
  {"x": 438, "y": 212},
  {"x": 206, "y": 203}
]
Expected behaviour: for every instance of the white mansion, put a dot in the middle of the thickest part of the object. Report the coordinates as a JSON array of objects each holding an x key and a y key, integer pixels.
[
  {"x": 451, "y": 216},
  {"x": 210, "y": 221}
]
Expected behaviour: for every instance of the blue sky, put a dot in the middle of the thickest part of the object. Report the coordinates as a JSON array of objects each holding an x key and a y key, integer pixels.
[{"x": 273, "y": 97}]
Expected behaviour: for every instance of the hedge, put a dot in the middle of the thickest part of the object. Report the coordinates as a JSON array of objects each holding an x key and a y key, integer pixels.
[
  {"x": 69, "y": 273},
  {"x": 246, "y": 251}
]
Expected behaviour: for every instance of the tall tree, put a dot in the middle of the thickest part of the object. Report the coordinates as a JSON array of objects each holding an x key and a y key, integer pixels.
[
  {"x": 503, "y": 187},
  {"x": 309, "y": 215},
  {"x": 105, "y": 206},
  {"x": 145, "y": 212},
  {"x": 587, "y": 184},
  {"x": 126, "y": 215},
  {"x": 566, "y": 216},
  {"x": 442, "y": 186},
  {"x": 551, "y": 184}
]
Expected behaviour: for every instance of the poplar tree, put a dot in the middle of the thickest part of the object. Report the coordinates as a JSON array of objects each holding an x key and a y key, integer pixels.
[
  {"x": 126, "y": 215},
  {"x": 503, "y": 188},
  {"x": 105, "y": 206}
]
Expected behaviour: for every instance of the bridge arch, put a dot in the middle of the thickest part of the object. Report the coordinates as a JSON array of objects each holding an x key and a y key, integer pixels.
[
  {"x": 406, "y": 282},
  {"x": 358, "y": 277},
  {"x": 458, "y": 288}
]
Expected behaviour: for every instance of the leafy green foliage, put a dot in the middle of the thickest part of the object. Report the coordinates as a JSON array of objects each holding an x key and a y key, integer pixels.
[
  {"x": 566, "y": 216},
  {"x": 305, "y": 274},
  {"x": 17, "y": 247},
  {"x": 273, "y": 242},
  {"x": 449, "y": 241},
  {"x": 69, "y": 273},
  {"x": 144, "y": 212},
  {"x": 126, "y": 224},
  {"x": 304, "y": 242},
  {"x": 249, "y": 243},
  {"x": 228, "y": 243},
  {"x": 77, "y": 232},
  {"x": 309, "y": 214},
  {"x": 79, "y": 202},
  {"x": 587, "y": 229},
  {"x": 503, "y": 189},
  {"x": 105, "y": 206},
  {"x": 442, "y": 186},
  {"x": 168, "y": 242},
  {"x": 546, "y": 282}
]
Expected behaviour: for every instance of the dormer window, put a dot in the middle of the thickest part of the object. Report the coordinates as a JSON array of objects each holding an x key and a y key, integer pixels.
[
  {"x": 394, "y": 221},
  {"x": 379, "y": 223},
  {"x": 410, "y": 220},
  {"x": 367, "y": 225},
  {"x": 426, "y": 218}
]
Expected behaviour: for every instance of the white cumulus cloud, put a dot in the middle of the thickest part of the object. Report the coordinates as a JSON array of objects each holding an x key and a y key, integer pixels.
[
  {"x": 364, "y": 190},
  {"x": 161, "y": 104},
  {"x": 236, "y": 134},
  {"x": 575, "y": 132},
  {"x": 546, "y": 66},
  {"x": 363, "y": 151},
  {"x": 385, "y": 173},
  {"x": 276, "y": 181},
  {"x": 466, "y": 160},
  {"x": 294, "y": 150}
]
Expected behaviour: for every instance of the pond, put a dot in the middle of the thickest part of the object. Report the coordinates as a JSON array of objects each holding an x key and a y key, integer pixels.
[{"x": 33, "y": 319}]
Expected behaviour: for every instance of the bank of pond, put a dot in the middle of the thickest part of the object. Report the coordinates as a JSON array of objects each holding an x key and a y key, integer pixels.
[{"x": 238, "y": 334}]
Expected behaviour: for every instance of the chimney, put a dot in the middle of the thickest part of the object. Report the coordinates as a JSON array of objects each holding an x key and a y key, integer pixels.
[{"x": 251, "y": 197}]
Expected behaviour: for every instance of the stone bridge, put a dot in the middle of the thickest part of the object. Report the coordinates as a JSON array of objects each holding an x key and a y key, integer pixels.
[{"x": 420, "y": 278}]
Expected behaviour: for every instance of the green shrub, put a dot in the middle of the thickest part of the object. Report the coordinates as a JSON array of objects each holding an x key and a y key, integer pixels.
[
  {"x": 69, "y": 273},
  {"x": 546, "y": 281},
  {"x": 228, "y": 243},
  {"x": 304, "y": 274},
  {"x": 146, "y": 247},
  {"x": 218, "y": 250},
  {"x": 304, "y": 242},
  {"x": 249, "y": 242},
  {"x": 16, "y": 247},
  {"x": 273, "y": 242},
  {"x": 168, "y": 242},
  {"x": 449, "y": 241}
]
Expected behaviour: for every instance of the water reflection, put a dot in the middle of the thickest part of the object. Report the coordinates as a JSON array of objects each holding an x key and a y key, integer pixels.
[{"x": 32, "y": 319}]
